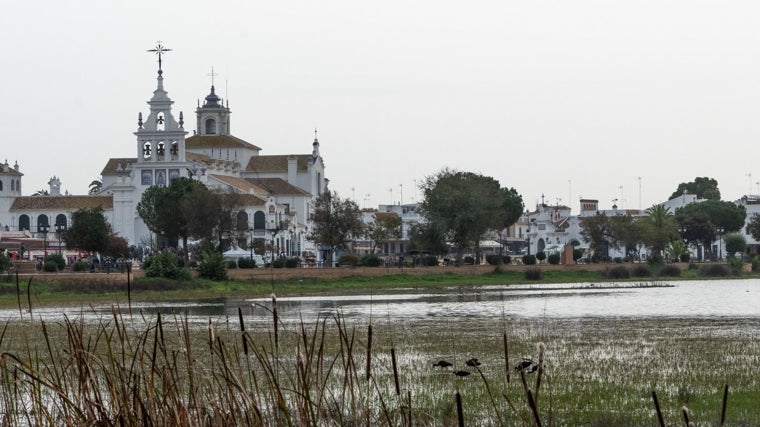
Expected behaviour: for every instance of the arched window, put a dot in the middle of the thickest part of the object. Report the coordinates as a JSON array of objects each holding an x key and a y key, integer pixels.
[
  {"x": 541, "y": 245},
  {"x": 146, "y": 150},
  {"x": 174, "y": 148},
  {"x": 160, "y": 150},
  {"x": 42, "y": 220},
  {"x": 259, "y": 220},
  {"x": 242, "y": 221},
  {"x": 210, "y": 127},
  {"x": 13, "y": 184},
  {"x": 23, "y": 222},
  {"x": 1, "y": 185},
  {"x": 61, "y": 222}
]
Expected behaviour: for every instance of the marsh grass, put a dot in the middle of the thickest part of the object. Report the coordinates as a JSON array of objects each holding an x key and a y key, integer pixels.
[{"x": 162, "y": 370}]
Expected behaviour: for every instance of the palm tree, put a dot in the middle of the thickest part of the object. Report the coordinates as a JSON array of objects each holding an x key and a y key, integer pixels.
[
  {"x": 661, "y": 228},
  {"x": 95, "y": 186}
]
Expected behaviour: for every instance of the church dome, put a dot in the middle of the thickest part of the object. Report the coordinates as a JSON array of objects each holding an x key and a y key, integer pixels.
[{"x": 212, "y": 100}]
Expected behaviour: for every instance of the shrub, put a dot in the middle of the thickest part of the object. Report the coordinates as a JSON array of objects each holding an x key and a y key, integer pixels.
[
  {"x": 429, "y": 261},
  {"x": 79, "y": 266},
  {"x": 50, "y": 266},
  {"x": 655, "y": 260},
  {"x": 641, "y": 270},
  {"x": 278, "y": 263},
  {"x": 291, "y": 262},
  {"x": 213, "y": 266},
  {"x": 5, "y": 262},
  {"x": 541, "y": 256},
  {"x": 371, "y": 260},
  {"x": 506, "y": 259},
  {"x": 529, "y": 259},
  {"x": 553, "y": 259},
  {"x": 231, "y": 264},
  {"x": 58, "y": 260},
  {"x": 755, "y": 264},
  {"x": 577, "y": 254},
  {"x": 617, "y": 260},
  {"x": 534, "y": 273},
  {"x": 685, "y": 257},
  {"x": 348, "y": 260},
  {"x": 469, "y": 260},
  {"x": 246, "y": 263},
  {"x": 669, "y": 270},
  {"x": 714, "y": 270},
  {"x": 617, "y": 272},
  {"x": 494, "y": 259},
  {"x": 736, "y": 264},
  {"x": 166, "y": 265}
]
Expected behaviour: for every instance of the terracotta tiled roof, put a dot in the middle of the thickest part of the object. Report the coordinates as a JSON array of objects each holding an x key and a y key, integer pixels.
[
  {"x": 27, "y": 203},
  {"x": 190, "y": 156},
  {"x": 239, "y": 183},
  {"x": 277, "y": 186},
  {"x": 217, "y": 141},
  {"x": 252, "y": 200},
  {"x": 277, "y": 163},
  {"x": 110, "y": 168}
]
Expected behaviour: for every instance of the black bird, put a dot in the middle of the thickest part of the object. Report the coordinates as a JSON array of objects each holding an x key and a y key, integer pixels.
[
  {"x": 461, "y": 373},
  {"x": 472, "y": 362},
  {"x": 525, "y": 364},
  {"x": 533, "y": 368},
  {"x": 443, "y": 364}
]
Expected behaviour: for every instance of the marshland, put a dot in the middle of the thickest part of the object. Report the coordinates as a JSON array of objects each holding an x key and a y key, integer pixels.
[{"x": 598, "y": 354}]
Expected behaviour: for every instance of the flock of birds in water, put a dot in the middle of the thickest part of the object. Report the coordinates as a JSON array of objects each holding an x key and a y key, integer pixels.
[{"x": 527, "y": 366}]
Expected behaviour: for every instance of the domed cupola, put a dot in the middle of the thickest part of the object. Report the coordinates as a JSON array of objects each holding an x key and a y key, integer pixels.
[
  {"x": 212, "y": 100},
  {"x": 213, "y": 118}
]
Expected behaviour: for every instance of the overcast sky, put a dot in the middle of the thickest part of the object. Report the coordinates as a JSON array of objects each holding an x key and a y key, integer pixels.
[{"x": 568, "y": 99}]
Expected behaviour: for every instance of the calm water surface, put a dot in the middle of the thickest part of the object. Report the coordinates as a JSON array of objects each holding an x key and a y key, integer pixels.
[{"x": 680, "y": 299}]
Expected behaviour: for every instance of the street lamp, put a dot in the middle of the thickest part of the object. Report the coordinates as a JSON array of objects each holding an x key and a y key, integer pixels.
[
  {"x": 44, "y": 228},
  {"x": 720, "y": 231},
  {"x": 59, "y": 228}
]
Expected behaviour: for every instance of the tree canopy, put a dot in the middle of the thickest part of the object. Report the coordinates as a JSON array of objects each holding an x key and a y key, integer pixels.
[
  {"x": 703, "y": 187},
  {"x": 384, "y": 227},
  {"x": 89, "y": 231},
  {"x": 700, "y": 222},
  {"x": 465, "y": 205},
  {"x": 336, "y": 222},
  {"x": 162, "y": 211}
]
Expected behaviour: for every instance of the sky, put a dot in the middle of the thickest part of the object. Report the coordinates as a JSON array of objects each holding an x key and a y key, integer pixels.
[{"x": 607, "y": 100}]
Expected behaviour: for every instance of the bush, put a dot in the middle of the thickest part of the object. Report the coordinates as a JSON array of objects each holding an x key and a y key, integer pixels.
[
  {"x": 429, "y": 261},
  {"x": 669, "y": 270},
  {"x": 57, "y": 259},
  {"x": 541, "y": 256},
  {"x": 231, "y": 264},
  {"x": 617, "y": 260},
  {"x": 469, "y": 260},
  {"x": 534, "y": 273},
  {"x": 371, "y": 260},
  {"x": 755, "y": 264},
  {"x": 553, "y": 258},
  {"x": 714, "y": 270},
  {"x": 79, "y": 266},
  {"x": 655, "y": 260},
  {"x": 278, "y": 263},
  {"x": 292, "y": 262},
  {"x": 246, "y": 263},
  {"x": 494, "y": 259},
  {"x": 685, "y": 257},
  {"x": 736, "y": 264},
  {"x": 617, "y": 272},
  {"x": 166, "y": 265},
  {"x": 213, "y": 266},
  {"x": 50, "y": 266},
  {"x": 5, "y": 262},
  {"x": 348, "y": 260},
  {"x": 577, "y": 254},
  {"x": 506, "y": 259},
  {"x": 529, "y": 259},
  {"x": 641, "y": 270}
]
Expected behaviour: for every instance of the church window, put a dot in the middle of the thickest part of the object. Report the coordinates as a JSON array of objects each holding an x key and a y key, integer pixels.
[
  {"x": 174, "y": 148},
  {"x": 23, "y": 222},
  {"x": 160, "y": 122},
  {"x": 210, "y": 127},
  {"x": 259, "y": 220},
  {"x": 42, "y": 220},
  {"x": 242, "y": 221},
  {"x": 160, "y": 177},
  {"x": 1, "y": 185},
  {"x": 146, "y": 177},
  {"x": 18, "y": 185},
  {"x": 13, "y": 185},
  {"x": 146, "y": 150},
  {"x": 60, "y": 220},
  {"x": 160, "y": 150}
]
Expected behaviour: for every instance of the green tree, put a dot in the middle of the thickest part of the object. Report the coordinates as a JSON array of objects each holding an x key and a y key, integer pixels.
[
  {"x": 117, "y": 247},
  {"x": 385, "y": 227},
  {"x": 596, "y": 231},
  {"x": 466, "y": 205},
  {"x": 704, "y": 188},
  {"x": 753, "y": 228},
  {"x": 89, "y": 230},
  {"x": 336, "y": 221},
  {"x": 699, "y": 222},
  {"x": 735, "y": 243},
  {"x": 425, "y": 237},
  {"x": 5, "y": 262},
  {"x": 659, "y": 228}
]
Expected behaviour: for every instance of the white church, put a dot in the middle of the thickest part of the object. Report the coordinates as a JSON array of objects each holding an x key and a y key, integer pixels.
[{"x": 278, "y": 190}]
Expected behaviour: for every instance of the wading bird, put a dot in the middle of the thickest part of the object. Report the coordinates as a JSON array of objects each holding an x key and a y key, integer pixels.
[
  {"x": 461, "y": 373},
  {"x": 472, "y": 362},
  {"x": 443, "y": 364}
]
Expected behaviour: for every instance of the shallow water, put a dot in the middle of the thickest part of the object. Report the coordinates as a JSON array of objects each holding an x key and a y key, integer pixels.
[{"x": 680, "y": 299}]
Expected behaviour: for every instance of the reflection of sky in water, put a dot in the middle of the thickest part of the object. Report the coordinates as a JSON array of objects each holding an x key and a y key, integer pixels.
[{"x": 713, "y": 298}]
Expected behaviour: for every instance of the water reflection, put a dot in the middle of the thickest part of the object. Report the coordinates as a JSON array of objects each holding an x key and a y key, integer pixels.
[{"x": 700, "y": 299}]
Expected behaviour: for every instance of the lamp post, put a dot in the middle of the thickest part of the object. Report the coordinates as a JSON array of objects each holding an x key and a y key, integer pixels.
[
  {"x": 720, "y": 231},
  {"x": 250, "y": 242},
  {"x": 59, "y": 228},
  {"x": 44, "y": 228}
]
